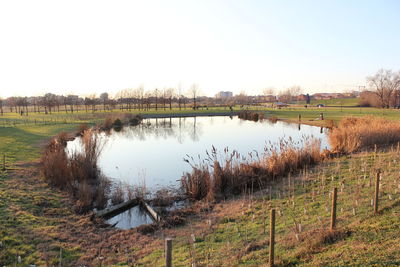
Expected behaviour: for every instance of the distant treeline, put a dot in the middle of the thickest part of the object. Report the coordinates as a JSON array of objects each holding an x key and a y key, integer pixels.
[{"x": 126, "y": 100}]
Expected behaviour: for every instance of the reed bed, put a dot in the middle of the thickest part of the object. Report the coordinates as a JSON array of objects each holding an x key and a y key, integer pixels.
[
  {"x": 77, "y": 173},
  {"x": 353, "y": 134},
  {"x": 216, "y": 177}
]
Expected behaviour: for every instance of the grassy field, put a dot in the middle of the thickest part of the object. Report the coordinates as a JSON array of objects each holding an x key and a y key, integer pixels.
[
  {"x": 36, "y": 221},
  {"x": 238, "y": 232},
  {"x": 349, "y": 102},
  {"x": 312, "y": 115}
]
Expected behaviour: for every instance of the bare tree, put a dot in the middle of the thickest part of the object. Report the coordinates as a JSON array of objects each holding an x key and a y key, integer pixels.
[
  {"x": 180, "y": 96},
  {"x": 170, "y": 92},
  {"x": 139, "y": 94},
  {"x": 288, "y": 94},
  {"x": 104, "y": 100},
  {"x": 156, "y": 97},
  {"x": 49, "y": 102},
  {"x": 164, "y": 96},
  {"x": 194, "y": 91},
  {"x": 242, "y": 98},
  {"x": 386, "y": 85},
  {"x": 1, "y": 106}
]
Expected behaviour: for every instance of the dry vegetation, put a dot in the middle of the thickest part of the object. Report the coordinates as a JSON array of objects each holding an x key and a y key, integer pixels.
[
  {"x": 235, "y": 174},
  {"x": 353, "y": 134},
  {"x": 77, "y": 173}
]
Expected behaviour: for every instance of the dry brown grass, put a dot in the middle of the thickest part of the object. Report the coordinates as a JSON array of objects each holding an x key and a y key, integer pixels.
[
  {"x": 234, "y": 174},
  {"x": 313, "y": 241},
  {"x": 353, "y": 134}
]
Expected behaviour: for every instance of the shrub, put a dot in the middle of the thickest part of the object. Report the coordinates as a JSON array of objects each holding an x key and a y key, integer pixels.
[
  {"x": 135, "y": 120},
  {"x": 117, "y": 124},
  {"x": 250, "y": 115}
]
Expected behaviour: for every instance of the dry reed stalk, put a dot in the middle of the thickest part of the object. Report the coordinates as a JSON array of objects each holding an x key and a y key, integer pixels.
[
  {"x": 78, "y": 173},
  {"x": 353, "y": 134},
  {"x": 237, "y": 173}
]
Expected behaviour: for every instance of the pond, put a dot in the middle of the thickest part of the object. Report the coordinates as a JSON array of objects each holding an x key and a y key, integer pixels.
[{"x": 152, "y": 153}]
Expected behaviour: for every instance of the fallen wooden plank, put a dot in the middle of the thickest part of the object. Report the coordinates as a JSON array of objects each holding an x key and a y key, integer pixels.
[
  {"x": 108, "y": 212},
  {"x": 150, "y": 210}
]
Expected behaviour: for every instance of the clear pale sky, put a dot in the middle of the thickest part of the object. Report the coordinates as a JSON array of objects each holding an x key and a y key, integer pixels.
[{"x": 87, "y": 47}]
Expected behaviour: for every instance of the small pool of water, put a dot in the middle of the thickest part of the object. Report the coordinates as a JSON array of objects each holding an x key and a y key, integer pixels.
[
  {"x": 130, "y": 218},
  {"x": 151, "y": 155}
]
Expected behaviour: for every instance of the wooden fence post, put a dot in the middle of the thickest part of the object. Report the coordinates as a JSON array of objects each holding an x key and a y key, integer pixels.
[
  {"x": 4, "y": 162},
  {"x": 378, "y": 176},
  {"x": 272, "y": 239},
  {"x": 333, "y": 209},
  {"x": 168, "y": 252}
]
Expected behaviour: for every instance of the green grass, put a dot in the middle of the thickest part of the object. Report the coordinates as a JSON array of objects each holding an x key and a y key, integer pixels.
[
  {"x": 311, "y": 115},
  {"x": 374, "y": 240},
  {"x": 349, "y": 102},
  {"x": 23, "y": 143}
]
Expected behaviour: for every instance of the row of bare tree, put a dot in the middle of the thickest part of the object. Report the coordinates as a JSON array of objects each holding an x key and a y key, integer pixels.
[{"x": 126, "y": 99}]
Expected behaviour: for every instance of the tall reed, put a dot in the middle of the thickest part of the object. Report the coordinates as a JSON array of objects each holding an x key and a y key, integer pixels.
[
  {"x": 215, "y": 177},
  {"x": 353, "y": 134},
  {"x": 77, "y": 173}
]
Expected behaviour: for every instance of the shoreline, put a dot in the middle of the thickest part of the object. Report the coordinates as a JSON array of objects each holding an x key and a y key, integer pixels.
[{"x": 191, "y": 114}]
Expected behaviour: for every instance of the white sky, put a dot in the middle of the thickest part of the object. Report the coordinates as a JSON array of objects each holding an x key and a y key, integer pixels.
[{"x": 85, "y": 47}]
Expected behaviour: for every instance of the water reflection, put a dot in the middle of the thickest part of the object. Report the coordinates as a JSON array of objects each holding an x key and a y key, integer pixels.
[
  {"x": 178, "y": 128},
  {"x": 130, "y": 218},
  {"x": 154, "y": 150}
]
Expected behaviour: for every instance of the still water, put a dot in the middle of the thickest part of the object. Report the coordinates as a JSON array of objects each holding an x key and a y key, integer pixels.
[{"x": 152, "y": 153}]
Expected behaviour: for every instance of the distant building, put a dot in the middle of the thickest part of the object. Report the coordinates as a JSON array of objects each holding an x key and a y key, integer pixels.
[
  {"x": 322, "y": 96},
  {"x": 224, "y": 94},
  {"x": 302, "y": 97}
]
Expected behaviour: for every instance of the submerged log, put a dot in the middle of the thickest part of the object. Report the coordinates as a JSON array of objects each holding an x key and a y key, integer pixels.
[{"x": 114, "y": 210}]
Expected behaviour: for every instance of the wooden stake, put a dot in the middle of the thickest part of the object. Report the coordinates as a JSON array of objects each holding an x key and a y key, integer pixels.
[
  {"x": 4, "y": 162},
  {"x": 272, "y": 239},
  {"x": 378, "y": 176},
  {"x": 333, "y": 209},
  {"x": 168, "y": 252}
]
